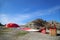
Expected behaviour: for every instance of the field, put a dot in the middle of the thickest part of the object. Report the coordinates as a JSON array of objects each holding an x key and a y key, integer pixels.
[{"x": 15, "y": 34}]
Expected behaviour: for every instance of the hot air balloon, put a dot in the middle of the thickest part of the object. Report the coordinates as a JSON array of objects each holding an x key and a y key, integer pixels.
[{"x": 12, "y": 25}]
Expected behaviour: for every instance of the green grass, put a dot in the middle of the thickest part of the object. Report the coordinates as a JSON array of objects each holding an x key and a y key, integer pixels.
[
  {"x": 21, "y": 33},
  {"x": 18, "y": 33},
  {"x": 1, "y": 33},
  {"x": 3, "y": 30}
]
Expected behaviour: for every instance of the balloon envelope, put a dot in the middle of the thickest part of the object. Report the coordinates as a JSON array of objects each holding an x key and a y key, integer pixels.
[{"x": 12, "y": 25}]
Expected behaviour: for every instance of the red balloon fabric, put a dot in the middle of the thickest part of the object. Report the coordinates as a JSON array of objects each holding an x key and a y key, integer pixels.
[{"x": 12, "y": 25}]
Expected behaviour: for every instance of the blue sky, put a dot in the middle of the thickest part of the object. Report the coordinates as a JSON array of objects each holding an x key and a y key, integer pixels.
[{"x": 23, "y": 11}]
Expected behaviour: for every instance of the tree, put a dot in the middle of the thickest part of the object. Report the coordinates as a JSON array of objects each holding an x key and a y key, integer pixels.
[
  {"x": 39, "y": 22},
  {"x": 1, "y": 24}
]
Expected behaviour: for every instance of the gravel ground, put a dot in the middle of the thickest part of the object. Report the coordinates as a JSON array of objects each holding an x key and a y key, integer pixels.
[
  {"x": 29, "y": 36},
  {"x": 38, "y": 36}
]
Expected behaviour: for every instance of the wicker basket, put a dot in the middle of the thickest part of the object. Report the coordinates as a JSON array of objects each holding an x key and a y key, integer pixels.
[{"x": 53, "y": 32}]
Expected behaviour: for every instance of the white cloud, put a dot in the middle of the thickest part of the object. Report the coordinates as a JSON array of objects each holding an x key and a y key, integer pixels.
[
  {"x": 54, "y": 9},
  {"x": 27, "y": 9},
  {"x": 20, "y": 18},
  {"x": 49, "y": 11},
  {"x": 4, "y": 18}
]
